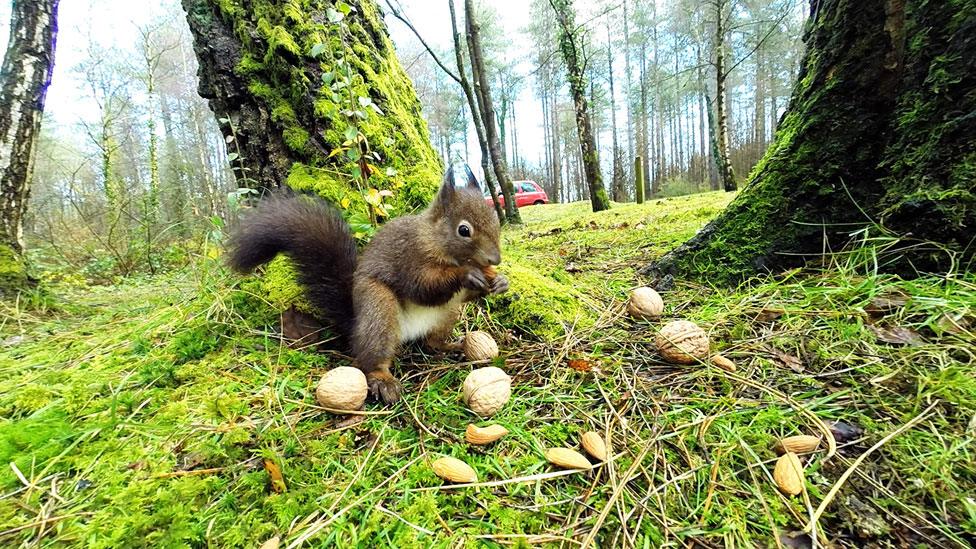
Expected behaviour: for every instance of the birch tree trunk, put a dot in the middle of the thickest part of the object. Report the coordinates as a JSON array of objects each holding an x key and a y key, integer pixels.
[
  {"x": 726, "y": 174},
  {"x": 24, "y": 80}
]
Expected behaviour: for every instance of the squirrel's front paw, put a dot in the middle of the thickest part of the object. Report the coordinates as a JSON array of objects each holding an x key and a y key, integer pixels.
[
  {"x": 384, "y": 386},
  {"x": 475, "y": 280},
  {"x": 499, "y": 284}
]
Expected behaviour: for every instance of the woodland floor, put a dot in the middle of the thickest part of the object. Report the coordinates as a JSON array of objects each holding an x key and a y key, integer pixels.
[{"x": 144, "y": 414}]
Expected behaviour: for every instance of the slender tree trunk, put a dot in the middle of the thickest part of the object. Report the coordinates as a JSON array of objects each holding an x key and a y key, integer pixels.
[
  {"x": 629, "y": 84},
  {"x": 726, "y": 174},
  {"x": 557, "y": 159},
  {"x": 639, "y": 179},
  {"x": 572, "y": 54},
  {"x": 878, "y": 131},
  {"x": 619, "y": 193},
  {"x": 643, "y": 148},
  {"x": 479, "y": 127},
  {"x": 483, "y": 94},
  {"x": 24, "y": 80}
]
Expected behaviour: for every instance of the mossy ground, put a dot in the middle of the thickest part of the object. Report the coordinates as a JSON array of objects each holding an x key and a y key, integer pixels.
[{"x": 141, "y": 414}]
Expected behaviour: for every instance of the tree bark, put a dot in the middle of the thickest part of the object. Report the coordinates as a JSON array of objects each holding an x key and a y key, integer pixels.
[
  {"x": 24, "y": 79},
  {"x": 479, "y": 126},
  {"x": 619, "y": 194},
  {"x": 724, "y": 163},
  {"x": 270, "y": 76},
  {"x": 572, "y": 54},
  {"x": 878, "y": 137},
  {"x": 483, "y": 94}
]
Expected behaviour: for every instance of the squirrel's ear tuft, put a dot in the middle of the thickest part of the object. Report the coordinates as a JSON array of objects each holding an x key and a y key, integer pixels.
[
  {"x": 473, "y": 183},
  {"x": 447, "y": 186}
]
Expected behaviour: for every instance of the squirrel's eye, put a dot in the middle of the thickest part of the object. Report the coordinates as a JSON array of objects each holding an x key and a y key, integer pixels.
[{"x": 464, "y": 230}]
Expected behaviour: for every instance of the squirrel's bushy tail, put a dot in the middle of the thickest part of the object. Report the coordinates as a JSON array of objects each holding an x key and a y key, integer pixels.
[{"x": 314, "y": 235}]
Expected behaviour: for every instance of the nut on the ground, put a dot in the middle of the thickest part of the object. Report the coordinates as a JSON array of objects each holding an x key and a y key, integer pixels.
[
  {"x": 486, "y": 390},
  {"x": 798, "y": 444},
  {"x": 788, "y": 474},
  {"x": 594, "y": 445},
  {"x": 567, "y": 459},
  {"x": 480, "y": 346},
  {"x": 645, "y": 303},
  {"x": 682, "y": 342},
  {"x": 454, "y": 470},
  {"x": 484, "y": 435},
  {"x": 723, "y": 363},
  {"x": 342, "y": 388}
]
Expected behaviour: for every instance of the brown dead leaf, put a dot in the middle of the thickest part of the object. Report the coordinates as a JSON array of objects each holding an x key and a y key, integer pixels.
[
  {"x": 581, "y": 364},
  {"x": 885, "y": 304},
  {"x": 274, "y": 473},
  {"x": 300, "y": 328},
  {"x": 786, "y": 360},
  {"x": 897, "y": 335},
  {"x": 796, "y": 540},
  {"x": 769, "y": 314},
  {"x": 349, "y": 421},
  {"x": 954, "y": 324}
]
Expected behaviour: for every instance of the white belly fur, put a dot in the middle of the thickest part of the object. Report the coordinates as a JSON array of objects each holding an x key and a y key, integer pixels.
[{"x": 416, "y": 321}]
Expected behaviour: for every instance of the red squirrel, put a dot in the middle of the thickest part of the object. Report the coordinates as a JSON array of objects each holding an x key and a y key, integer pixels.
[{"x": 409, "y": 283}]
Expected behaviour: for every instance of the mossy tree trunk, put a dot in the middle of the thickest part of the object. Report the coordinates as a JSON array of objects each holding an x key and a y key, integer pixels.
[
  {"x": 573, "y": 57},
  {"x": 292, "y": 81},
  {"x": 24, "y": 79},
  {"x": 879, "y": 130}
]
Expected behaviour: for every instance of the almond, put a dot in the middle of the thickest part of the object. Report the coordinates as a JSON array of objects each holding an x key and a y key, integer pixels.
[
  {"x": 454, "y": 470},
  {"x": 567, "y": 459},
  {"x": 484, "y": 435},
  {"x": 594, "y": 445},
  {"x": 723, "y": 363},
  {"x": 799, "y": 444},
  {"x": 788, "y": 474}
]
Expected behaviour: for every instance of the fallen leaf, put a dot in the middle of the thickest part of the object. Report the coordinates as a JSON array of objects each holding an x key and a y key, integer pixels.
[
  {"x": 300, "y": 328},
  {"x": 953, "y": 324},
  {"x": 272, "y": 543},
  {"x": 349, "y": 421},
  {"x": 581, "y": 364},
  {"x": 884, "y": 304},
  {"x": 897, "y": 335},
  {"x": 274, "y": 473},
  {"x": 784, "y": 359},
  {"x": 796, "y": 540},
  {"x": 769, "y": 314},
  {"x": 572, "y": 268},
  {"x": 845, "y": 432}
]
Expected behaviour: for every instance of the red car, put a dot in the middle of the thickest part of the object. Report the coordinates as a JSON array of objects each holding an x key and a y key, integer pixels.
[{"x": 526, "y": 192}]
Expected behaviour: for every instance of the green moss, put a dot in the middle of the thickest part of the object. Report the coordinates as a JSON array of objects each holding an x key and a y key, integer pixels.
[
  {"x": 13, "y": 271},
  {"x": 295, "y": 138}
]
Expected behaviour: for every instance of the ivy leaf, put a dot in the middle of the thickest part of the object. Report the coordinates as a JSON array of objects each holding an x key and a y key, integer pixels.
[
  {"x": 353, "y": 154},
  {"x": 317, "y": 50},
  {"x": 351, "y": 133},
  {"x": 232, "y": 157},
  {"x": 365, "y": 101},
  {"x": 328, "y": 77},
  {"x": 333, "y": 15},
  {"x": 357, "y": 173},
  {"x": 391, "y": 171},
  {"x": 344, "y": 8}
]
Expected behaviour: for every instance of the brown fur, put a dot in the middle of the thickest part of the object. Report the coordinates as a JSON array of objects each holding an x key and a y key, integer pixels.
[{"x": 416, "y": 264}]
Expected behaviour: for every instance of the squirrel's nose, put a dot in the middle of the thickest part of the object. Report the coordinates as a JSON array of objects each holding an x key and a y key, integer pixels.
[{"x": 494, "y": 258}]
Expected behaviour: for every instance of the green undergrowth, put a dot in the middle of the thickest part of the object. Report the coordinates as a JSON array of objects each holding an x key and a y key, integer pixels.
[{"x": 143, "y": 414}]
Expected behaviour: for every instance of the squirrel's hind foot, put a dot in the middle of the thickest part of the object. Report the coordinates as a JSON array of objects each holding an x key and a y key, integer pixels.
[{"x": 383, "y": 386}]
